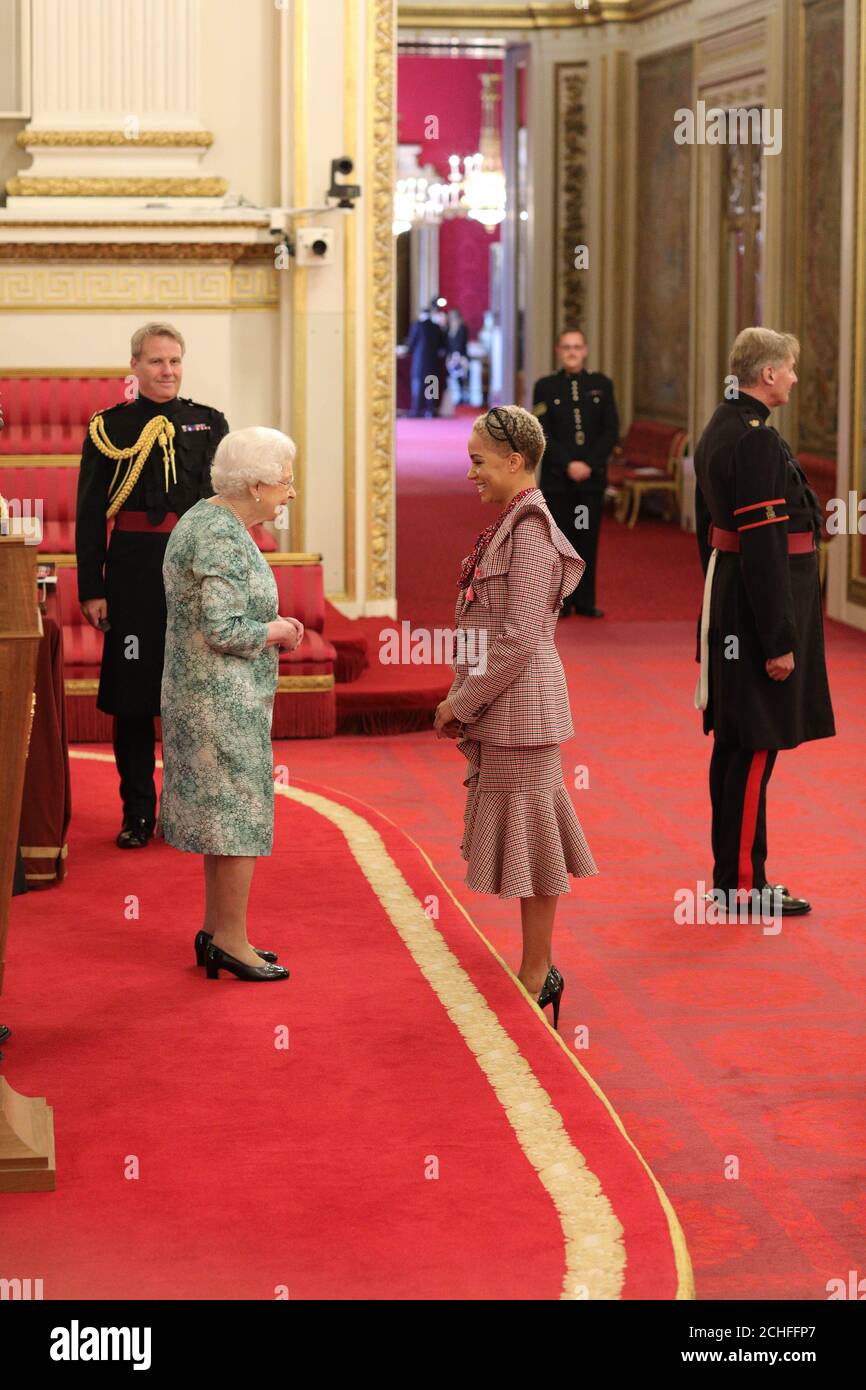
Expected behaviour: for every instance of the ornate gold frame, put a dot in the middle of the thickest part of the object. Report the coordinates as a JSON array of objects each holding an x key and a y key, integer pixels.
[
  {"x": 569, "y": 285},
  {"x": 856, "y": 577},
  {"x": 380, "y": 172}
]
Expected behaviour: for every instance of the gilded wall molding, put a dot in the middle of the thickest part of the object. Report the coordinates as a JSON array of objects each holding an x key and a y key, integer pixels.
[
  {"x": 94, "y": 288},
  {"x": 29, "y": 139},
  {"x": 26, "y": 186},
  {"x": 558, "y": 14},
  {"x": 380, "y": 172},
  {"x": 134, "y": 251},
  {"x": 569, "y": 213},
  {"x": 819, "y": 171},
  {"x": 856, "y": 587}
]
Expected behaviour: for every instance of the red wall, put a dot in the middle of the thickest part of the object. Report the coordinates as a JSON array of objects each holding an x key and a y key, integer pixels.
[{"x": 450, "y": 90}]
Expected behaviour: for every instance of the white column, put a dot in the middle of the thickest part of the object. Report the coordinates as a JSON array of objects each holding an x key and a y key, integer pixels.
[
  {"x": 96, "y": 63},
  {"x": 115, "y": 100}
]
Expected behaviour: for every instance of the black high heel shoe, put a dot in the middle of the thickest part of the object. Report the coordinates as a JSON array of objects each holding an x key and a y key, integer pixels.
[
  {"x": 551, "y": 993},
  {"x": 203, "y": 938},
  {"x": 217, "y": 960}
]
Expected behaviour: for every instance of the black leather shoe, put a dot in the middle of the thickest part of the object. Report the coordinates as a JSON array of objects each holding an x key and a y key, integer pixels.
[
  {"x": 4, "y": 1032},
  {"x": 551, "y": 993},
  {"x": 589, "y": 612},
  {"x": 135, "y": 833},
  {"x": 790, "y": 906},
  {"x": 203, "y": 938},
  {"x": 217, "y": 960}
]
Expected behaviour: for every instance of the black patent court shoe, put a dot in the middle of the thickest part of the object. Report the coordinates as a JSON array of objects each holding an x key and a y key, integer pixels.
[
  {"x": 203, "y": 938},
  {"x": 551, "y": 993},
  {"x": 217, "y": 960}
]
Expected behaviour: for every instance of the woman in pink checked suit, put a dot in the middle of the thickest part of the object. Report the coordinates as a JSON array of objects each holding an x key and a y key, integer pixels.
[{"x": 508, "y": 705}]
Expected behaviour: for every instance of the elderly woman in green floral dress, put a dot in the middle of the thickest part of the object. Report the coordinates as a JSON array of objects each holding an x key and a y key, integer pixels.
[{"x": 218, "y": 685}]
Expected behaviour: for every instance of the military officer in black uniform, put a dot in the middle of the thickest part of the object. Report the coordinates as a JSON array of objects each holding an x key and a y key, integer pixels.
[
  {"x": 763, "y": 683},
  {"x": 144, "y": 464},
  {"x": 578, "y": 414}
]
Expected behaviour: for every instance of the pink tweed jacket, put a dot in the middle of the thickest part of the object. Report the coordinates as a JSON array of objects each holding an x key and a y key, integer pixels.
[{"x": 509, "y": 686}]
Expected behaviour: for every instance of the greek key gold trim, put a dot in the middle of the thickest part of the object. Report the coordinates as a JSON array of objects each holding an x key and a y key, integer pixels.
[
  {"x": 28, "y": 186},
  {"x": 74, "y": 685},
  {"x": 43, "y": 851},
  {"x": 29, "y": 139},
  {"x": 380, "y": 164},
  {"x": 87, "y": 287}
]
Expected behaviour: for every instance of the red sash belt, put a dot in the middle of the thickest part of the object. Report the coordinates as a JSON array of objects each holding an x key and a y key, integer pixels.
[
  {"x": 137, "y": 521},
  {"x": 799, "y": 542}
]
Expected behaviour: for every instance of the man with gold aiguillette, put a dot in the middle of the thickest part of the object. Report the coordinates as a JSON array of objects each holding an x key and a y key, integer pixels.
[
  {"x": 763, "y": 682},
  {"x": 144, "y": 463}
]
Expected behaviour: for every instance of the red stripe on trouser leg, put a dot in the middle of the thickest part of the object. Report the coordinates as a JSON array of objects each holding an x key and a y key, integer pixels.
[{"x": 749, "y": 822}]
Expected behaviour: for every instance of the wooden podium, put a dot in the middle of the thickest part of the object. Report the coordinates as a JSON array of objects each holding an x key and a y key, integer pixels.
[{"x": 26, "y": 1125}]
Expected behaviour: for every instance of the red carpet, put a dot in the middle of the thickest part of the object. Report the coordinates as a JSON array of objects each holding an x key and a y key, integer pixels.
[
  {"x": 304, "y": 1167},
  {"x": 711, "y": 1043}
]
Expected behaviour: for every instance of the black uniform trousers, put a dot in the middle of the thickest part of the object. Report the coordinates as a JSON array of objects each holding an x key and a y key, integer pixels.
[
  {"x": 135, "y": 755},
  {"x": 738, "y": 792},
  {"x": 584, "y": 538}
]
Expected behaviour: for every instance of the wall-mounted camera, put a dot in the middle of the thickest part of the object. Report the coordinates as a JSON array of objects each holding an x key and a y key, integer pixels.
[
  {"x": 346, "y": 193},
  {"x": 314, "y": 246}
]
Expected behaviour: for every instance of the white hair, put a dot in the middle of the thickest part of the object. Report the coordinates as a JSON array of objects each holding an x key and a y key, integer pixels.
[{"x": 250, "y": 456}]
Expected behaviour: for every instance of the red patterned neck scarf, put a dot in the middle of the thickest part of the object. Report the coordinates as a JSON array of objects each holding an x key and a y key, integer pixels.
[{"x": 483, "y": 539}]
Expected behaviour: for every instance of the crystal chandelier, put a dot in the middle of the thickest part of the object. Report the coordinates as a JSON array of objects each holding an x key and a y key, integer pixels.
[
  {"x": 476, "y": 190},
  {"x": 483, "y": 185}
]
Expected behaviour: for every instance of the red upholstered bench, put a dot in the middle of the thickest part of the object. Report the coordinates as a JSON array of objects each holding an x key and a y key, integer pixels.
[
  {"x": 47, "y": 411},
  {"x": 51, "y": 491},
  {"x": 48, "y": 491},
  {"x": 305, "y": 704},
  {"x": 648, "y": 460}
]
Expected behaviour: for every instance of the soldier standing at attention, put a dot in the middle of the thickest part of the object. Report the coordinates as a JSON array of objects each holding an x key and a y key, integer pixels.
[
  {"x": 763, "y": 683},
  {"x": 578, "y": 414},
  {"x": 144, "y": 463}
]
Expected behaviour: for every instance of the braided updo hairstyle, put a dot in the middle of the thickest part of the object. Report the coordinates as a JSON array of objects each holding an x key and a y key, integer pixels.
[{"x": 514, "y": 431}]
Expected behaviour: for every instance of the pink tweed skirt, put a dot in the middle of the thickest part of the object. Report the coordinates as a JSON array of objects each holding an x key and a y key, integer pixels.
[{"x": 521, "y": 836}]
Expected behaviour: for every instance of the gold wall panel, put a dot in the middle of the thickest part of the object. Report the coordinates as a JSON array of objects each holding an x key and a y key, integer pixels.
[
  {"x": 819, "y": 273},
  {"x": 661, "y": 336},
  {"x": 570, "y": 230}
]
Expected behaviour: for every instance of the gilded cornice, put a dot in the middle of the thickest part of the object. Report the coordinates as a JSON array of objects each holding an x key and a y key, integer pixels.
[
  {"x": 29, "y": 139},
  {"x": 24, "y": 186},
  {"x": 135, "y": 251},
  {"x": 555, "y": 15}
]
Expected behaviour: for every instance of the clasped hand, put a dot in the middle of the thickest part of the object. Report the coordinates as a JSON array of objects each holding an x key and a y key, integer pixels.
[{"x": 285, "y": 632}]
